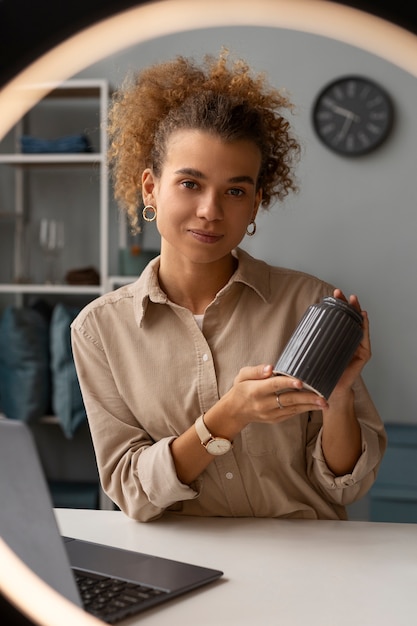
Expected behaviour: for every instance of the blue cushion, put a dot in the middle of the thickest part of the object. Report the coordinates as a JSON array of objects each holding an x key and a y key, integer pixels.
[
  {"x": 69, "y": 143},
  {"x": 24, "y": 364},
  {"x": 67, "y": 402}
]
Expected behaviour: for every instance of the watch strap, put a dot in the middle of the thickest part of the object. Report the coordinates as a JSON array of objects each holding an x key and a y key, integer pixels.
[
  {"x": 202, "y": 431},
  {"x": 205, "y": 435}
]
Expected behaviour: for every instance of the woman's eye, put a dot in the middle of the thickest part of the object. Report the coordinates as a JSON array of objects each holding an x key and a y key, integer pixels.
[
  {"x": 189, "y": 184},
  {"x": 236, "y": 192}
]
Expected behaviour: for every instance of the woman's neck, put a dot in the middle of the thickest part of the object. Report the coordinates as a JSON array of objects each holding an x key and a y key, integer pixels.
[{"x": 195, "y": 285}]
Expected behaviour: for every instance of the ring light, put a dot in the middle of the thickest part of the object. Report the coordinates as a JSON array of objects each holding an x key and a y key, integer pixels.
[{"x": 156, "y": 19}]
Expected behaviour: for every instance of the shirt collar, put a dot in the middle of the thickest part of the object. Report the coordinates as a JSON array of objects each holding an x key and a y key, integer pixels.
[{"x": 253, "y": 273}]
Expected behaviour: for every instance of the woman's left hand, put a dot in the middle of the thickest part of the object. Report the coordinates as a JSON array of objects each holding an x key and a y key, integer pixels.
[{"x": 362, "y": 354}]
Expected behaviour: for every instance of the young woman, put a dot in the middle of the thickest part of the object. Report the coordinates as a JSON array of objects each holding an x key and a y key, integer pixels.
[{"x": 176, "y": 369}]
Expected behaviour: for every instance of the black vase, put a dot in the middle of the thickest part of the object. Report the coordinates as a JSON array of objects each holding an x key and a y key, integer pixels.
[{"x": 322, "y": 345}]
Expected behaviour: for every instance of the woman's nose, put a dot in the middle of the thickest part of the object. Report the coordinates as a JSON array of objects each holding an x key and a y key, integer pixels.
[{"x": 210, "y": 207}]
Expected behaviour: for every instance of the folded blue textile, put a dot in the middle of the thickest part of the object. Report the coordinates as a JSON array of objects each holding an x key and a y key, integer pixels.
[
  {"x": 67, "y": 402},
  {"x": 24, "y": 364},
  {"x": 69, "y": 143}
]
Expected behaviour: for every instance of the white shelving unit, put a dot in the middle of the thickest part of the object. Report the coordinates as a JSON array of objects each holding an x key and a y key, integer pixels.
[
  {"x": 74, "y": 188},
  {"x": 18, "y": 210}
]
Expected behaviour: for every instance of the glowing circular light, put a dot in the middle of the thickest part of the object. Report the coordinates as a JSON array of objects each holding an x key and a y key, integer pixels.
[{"x": 156, "y": 19}]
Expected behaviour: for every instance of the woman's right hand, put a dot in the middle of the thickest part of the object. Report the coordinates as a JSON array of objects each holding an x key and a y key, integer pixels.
[{"x": 259, "y": 396}]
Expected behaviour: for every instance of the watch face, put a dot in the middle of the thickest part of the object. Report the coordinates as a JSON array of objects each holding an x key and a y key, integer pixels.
[
  {"x": 353, "y": 116},
  {"x": 218, "y": 446}
]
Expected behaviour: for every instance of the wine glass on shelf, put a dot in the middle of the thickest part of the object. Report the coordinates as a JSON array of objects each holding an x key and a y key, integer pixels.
[{"x": 51, "y": 240}]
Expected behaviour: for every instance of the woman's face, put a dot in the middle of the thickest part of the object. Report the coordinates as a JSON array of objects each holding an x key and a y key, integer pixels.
[{"x": 206, "y": 195}]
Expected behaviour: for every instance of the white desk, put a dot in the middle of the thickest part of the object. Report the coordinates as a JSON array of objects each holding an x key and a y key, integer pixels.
[{"x": 276, "y": 572}]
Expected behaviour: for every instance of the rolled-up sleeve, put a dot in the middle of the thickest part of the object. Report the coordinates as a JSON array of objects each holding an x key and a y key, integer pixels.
[
  {"x": 158, "y": 476},
  {"x": 350, "y": 487}
]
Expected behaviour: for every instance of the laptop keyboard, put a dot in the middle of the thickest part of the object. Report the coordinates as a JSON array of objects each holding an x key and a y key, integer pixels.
[{"x": 112, "y": 599}]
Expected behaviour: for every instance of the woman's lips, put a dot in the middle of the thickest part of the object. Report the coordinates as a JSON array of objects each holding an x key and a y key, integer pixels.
[{"x": 204, "y": 236}]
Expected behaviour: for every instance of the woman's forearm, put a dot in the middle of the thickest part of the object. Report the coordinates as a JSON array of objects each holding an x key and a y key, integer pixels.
[{"x": 341, "y": 439}]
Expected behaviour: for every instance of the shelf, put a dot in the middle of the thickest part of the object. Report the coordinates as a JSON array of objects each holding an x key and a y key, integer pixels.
[
  {"x": 58, "y": 289},
  {"x": 75, "y": 88},
  {"x": 78, "y": 158}
]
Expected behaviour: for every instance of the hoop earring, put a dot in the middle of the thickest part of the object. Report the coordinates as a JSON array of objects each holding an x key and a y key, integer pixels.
[
  {"x": 250, "y": 233},
  {"x": 149, "y": 213}
]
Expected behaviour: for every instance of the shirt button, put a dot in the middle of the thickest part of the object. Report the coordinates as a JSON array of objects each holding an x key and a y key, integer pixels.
[
  {"x": 229, "y": 475},
  {"x": 205, "y": 357}
]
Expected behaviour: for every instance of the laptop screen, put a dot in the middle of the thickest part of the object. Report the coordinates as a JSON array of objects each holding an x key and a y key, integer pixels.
[{"x": 27, "y": 520}]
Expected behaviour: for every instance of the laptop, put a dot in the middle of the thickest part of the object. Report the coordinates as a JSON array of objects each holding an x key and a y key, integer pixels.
[{"x": 128, "y": 582}]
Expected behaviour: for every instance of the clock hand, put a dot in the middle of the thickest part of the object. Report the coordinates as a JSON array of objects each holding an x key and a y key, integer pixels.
[
  {"x": 345, "y": 128},
  {"x": 342, "y": 111}
]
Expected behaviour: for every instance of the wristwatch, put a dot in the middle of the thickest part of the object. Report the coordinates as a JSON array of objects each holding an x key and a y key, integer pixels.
[{"x": 213, "y": 445}]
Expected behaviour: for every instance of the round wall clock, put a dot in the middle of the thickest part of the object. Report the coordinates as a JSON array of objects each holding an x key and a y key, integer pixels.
[{"x": 353, "y": 115}]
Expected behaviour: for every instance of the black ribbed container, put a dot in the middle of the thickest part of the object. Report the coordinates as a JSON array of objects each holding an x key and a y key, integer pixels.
[{"x": 322, "y": 345}]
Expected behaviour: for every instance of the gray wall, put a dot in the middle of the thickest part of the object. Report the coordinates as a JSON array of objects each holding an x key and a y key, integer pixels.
[{"x": 353, "y": 222}]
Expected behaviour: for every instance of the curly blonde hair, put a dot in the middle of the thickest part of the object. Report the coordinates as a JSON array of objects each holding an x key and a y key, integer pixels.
[{"x": 216, "y": 96}]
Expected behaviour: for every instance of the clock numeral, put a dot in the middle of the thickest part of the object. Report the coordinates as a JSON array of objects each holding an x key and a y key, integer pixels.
[
  {"x": 351, "y": 89},
  {"x": 327, "y": 128},
  {"x": 374, "y": 102},
  {"x": 324, "y": 115},
  {"x": 350, "y": 143},
  {"x": 364, "y": 93},
  {"x": 373, "y": 128},
  {"x": 337, "y": 139},
  {"x": 328, "y": 102},
  {"x": 363, "y": 139},
  {"x": 378, "y": 116},
  {"x": 338, "y": 93}
]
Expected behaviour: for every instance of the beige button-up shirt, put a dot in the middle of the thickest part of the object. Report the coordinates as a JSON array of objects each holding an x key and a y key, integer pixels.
[{"x": 147, "y": 372}]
